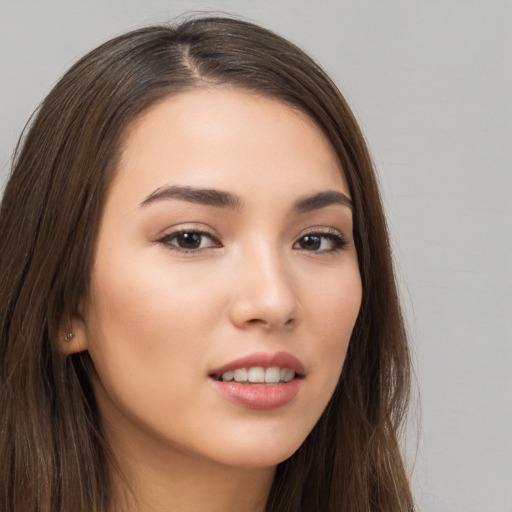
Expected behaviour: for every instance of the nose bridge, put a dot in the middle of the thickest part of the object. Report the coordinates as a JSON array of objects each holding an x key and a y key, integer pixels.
[{"x": 266, "y": 292}]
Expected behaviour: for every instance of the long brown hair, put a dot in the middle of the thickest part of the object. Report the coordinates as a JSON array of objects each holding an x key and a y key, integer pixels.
[{"x": 53, "y": 456}]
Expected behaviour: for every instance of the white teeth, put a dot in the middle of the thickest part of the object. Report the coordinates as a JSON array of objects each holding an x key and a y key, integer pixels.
[
  {"x": 228, "y": 375},
  {"x": 240, "y": 375},
  {"x": 258, "y": 374},
  {"x": 289, "y": 375},
  {"x": 272, "y": 375}
]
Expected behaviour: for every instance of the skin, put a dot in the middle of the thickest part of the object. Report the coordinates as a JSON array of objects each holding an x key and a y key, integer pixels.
[{"x": 159, "y": 319}]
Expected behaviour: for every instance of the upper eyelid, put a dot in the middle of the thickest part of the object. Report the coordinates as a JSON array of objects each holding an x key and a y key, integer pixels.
[
  {"x": 176, "y": 233},
  {"x": 322, "y": 230},
  {"x": 208, "y": 231},
  {"x": 327, "y": 234},
  {"x": 183, "y": 228}
]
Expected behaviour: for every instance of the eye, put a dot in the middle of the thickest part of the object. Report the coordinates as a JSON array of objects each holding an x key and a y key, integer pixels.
[
  {"x": 189, "y": 240},
  {"x": 330, "y": 241}
]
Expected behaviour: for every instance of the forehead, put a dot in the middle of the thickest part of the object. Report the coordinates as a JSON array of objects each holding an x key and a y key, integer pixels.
[{"x": 226, "y": 138}]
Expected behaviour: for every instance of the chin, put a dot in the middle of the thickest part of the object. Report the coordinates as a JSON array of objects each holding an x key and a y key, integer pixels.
[{"x": 257, "y": 452}]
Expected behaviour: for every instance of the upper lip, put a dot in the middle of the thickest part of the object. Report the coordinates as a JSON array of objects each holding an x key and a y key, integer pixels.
[{"x": 265, "y": 360}]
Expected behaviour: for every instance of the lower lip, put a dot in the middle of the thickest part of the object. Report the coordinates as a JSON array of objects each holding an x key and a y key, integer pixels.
[{"x": 263, "y": 397}]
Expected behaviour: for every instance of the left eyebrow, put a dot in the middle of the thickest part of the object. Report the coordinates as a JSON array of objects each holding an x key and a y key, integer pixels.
[
  {"x": 209, "y": 197},
  {"x": 321, "y": 200}
]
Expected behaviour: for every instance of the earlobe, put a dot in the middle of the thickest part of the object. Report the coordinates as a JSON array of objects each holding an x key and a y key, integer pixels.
[{"x": 72, "y": 339}]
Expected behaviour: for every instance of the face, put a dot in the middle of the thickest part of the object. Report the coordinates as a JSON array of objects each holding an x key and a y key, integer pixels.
[{"x": 225, "y": 253}]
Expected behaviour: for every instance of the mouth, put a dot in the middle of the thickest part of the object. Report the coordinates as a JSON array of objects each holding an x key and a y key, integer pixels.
[
  {"x": 261, "y": 368},
  {"x": 260, "y": 381},
  {"x": 257, "y": 375}
]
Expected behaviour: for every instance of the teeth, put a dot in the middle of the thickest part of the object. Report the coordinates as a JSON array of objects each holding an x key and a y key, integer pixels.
[
  {"x": 240, "y": 375},
  {"x": 257, "y": 374},
  {"x": 289, "y": 375},
  {"x": 272, "y": 375}
]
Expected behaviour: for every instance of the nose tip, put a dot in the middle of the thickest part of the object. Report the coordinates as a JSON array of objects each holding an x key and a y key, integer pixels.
[
  {"x": 250, "y": 315},
  {"x": 266, "y": 298}
]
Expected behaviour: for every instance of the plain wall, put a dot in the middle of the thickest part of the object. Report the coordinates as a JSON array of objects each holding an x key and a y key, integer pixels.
[{"x": 431, "y": 83}]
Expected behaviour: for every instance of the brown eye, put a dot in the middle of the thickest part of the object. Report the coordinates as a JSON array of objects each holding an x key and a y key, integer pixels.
[
  {"x": 310, "y": 242},
  {"x": 189, "y": 241},
  {"x": 321, "y": 242}
]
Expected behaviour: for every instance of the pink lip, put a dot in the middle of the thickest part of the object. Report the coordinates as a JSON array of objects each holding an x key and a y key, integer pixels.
[
  {"x": 278, "y": 359},
  {"x": 260, "y": 396}
]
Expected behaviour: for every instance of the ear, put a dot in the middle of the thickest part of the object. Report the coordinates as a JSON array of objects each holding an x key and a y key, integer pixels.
[{"x": 72, "y": 336}]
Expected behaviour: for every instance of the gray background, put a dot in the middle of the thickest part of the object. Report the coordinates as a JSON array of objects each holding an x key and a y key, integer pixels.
[{"x": 431, "y": 83}]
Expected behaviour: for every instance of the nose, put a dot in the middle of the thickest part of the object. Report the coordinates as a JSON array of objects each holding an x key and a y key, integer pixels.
[{"x": 266, "y": 293}]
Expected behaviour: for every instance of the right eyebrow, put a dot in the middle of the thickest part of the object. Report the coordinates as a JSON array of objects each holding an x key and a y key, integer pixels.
[
  {"x": 209, "y": 197},
  {"x": 321, "y": 200}
]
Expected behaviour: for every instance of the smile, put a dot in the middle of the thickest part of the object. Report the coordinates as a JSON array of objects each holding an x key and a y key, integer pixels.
[
  {"x": 258, "y": 374},
  {"x": 260, "y": 381}
]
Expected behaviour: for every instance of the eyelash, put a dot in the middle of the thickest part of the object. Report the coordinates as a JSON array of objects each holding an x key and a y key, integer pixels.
[
  {"x": 167, "y": 240},
  {"x": 337, "y": 239}
]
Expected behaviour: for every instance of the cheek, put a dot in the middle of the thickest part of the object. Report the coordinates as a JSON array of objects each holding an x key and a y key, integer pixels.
[
  {"x": 149, "y": 306},
  {"x": 147, "y": 342},
  {"x": 334, "y": 309},
  {"x": 151, "y": 318}
]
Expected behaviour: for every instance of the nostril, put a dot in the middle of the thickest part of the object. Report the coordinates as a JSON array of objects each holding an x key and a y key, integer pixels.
[
  {"x": 254, "y": 321},
  {"x": 264, "y": 312},
  {"x": 268, "y": 323}
]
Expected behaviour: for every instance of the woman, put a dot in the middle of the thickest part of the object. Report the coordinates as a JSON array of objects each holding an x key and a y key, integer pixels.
[{"x": 192, "y": 249}]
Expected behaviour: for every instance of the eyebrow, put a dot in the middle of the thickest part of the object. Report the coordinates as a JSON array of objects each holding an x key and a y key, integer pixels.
[
  {"x": 209, "y": 197},
  {"x": 321, "y": 200},
  {"x": 222, "y": 199}
]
